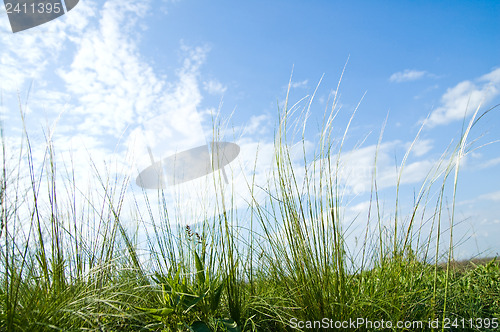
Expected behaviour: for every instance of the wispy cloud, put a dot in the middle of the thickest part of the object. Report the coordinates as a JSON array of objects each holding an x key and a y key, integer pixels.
[
  {"x": 356, "y": 167},
  {"x": 114, "y": 88},
  {"x": 214, "y": 87},
  {"x": 490, "y": 163},
  {"x": 301, "y": 84},
  {"x": 407, "y": 75},
  {"x": 258, "y": 125},
  {"x": 421, "y": 147},
  {"x": 107, "y": 99},
  {"x": 493, "y": 196},
  {"x": 464, "y": 98},
  {"x": 26, "y": 55}
]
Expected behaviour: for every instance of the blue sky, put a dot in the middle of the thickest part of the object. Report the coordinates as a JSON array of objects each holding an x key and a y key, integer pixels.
[{"x": 112, "y": 77}]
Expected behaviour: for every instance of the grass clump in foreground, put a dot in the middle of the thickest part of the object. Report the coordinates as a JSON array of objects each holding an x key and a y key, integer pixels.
[{"x": 73, "y": 265}]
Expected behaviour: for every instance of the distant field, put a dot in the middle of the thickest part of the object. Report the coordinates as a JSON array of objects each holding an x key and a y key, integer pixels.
[{"x": 470, "y": 264}]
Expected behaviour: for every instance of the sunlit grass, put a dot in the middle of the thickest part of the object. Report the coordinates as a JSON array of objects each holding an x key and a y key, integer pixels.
[{"x": 72, "y": 264}]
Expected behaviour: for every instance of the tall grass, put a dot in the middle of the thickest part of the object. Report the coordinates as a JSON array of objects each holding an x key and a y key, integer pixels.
[{"x": 71, "y": 262}]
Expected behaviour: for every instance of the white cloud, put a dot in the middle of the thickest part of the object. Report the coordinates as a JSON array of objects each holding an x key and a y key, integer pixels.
[
  {"x": 465, "y": 98},
  {"x": 214, "y": 87},
  {"x": 493, "y": 196},
  {"x": 258, "y": 124},
  {"x": 356, "y": 167},
  {"x": 113, "y": 86},
  {"x": 407, "y": 75},
  {"x": 26, "y": 55},
  {"x": 490, "y": 163},
  {"x": 421, "y": 147},
  {"x": 358, "y": 209},
  {"x": 301, "y": 84},
  {"x": 108, "y": 99}
]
